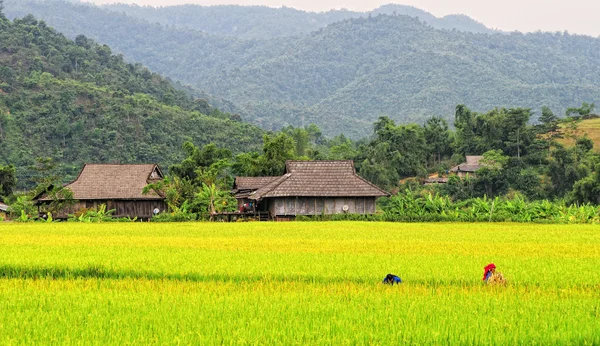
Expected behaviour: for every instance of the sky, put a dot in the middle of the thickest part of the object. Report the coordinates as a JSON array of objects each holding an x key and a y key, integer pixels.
[{"x": 575, "y": 16}]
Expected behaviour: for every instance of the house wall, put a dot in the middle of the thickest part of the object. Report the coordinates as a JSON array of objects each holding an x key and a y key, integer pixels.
[
  {"x": 289, "y": 206},
  {"x": 123, "y": 208},
  {"x": 462, "y": 174}
]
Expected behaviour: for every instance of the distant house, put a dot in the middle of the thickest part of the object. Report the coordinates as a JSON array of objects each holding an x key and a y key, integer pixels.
[
  {"x": 310, "y": 188},
  {"x": 435, "y": 180},
  {"x": 3, "y": 207},
  {"x": 119, "y": 187},
  {"x": 470, "y": 167}
]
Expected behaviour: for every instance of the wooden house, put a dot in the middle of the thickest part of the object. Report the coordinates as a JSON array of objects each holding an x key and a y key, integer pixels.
[
  {"x": 3, "y": 207},
  {"x": 470, "y": 167},
  {"x": 311, "y": 188},
  {"x": 119, "y": 187}
]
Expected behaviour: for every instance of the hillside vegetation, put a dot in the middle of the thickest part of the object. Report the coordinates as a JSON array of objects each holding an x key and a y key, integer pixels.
[
  {"x": 344, "y": 76},
  {"x": 76, "y": 102}
]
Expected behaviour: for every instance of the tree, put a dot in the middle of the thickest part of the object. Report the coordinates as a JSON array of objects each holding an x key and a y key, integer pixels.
[
  {"x": 566, "y": 167},
  {"x": 585, "y": 110},
  {"x": 199, "y": 159},
  {"x": 277, "y": 149},
  {"x": 301, "y": 138},
  {"x": 396, "y": 152},
  {"x": 548, "y": 121},
  {"x": 464, "y": 122},
  {"x": 587, "y": 189},
  {"x": 491, "y": 180},
  {"x": 382, "y": 123},
  {"x": 437, "y": 137},
  {"x": 8, "y": 180},
  {"x": 211, "y": 200}
]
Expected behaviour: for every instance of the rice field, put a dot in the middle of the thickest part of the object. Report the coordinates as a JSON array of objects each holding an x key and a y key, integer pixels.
[{"x": 297, "y": 283}]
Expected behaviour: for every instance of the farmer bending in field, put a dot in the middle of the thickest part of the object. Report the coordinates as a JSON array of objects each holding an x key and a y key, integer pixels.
[
  {"x": 491, "y": 277},
  {"x": 391, "y": 279}
]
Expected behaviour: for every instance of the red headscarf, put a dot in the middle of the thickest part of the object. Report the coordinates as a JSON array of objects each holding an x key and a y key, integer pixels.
[{"x": 487, "y": 269}]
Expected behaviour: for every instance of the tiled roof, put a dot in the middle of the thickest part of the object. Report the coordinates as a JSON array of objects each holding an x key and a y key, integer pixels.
[
  {"x": 113, "y": 181},
  {"x": 319, "y": 179},
  {"x": 3, "y": 207},
  {"x": 252, "y": 183}
]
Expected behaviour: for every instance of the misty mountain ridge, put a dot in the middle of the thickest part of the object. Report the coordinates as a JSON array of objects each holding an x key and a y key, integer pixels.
[
  {"x": 342, "y": 77},
  {"x": 261, "y": 22}
]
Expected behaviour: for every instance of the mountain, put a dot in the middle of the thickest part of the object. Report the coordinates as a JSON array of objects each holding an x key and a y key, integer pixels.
[
  {"x": 76, "y": 102},
  {"x": 344, "y": 76},
  {"x": 261, "y": 22}
]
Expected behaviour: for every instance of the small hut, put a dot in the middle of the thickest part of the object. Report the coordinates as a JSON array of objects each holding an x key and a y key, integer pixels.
[
  {"x": 119, "y": 187},
  {"x": 312, "y": 188},
  {"x": 3, "y": 207},
  {"x": 470, "y": 167}
]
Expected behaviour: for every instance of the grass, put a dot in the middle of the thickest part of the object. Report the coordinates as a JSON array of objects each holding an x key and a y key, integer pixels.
[
  {"x": 297, "y": 283},
  {"x": 589, "y": 128}
]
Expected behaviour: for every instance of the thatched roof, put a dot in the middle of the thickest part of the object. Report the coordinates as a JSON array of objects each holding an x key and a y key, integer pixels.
[
  {"x": 470, "y": 166},
  {"x": 114, "y": 181},
  {"x": 319, "y": 179},
  {"x": 3, "y": 207}
]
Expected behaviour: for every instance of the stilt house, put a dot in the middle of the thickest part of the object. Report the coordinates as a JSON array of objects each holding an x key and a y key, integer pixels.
[
  {"x": 470, "y": 167},
  {"x": 119, "y": 187},
  {"x": 310, "y": 188}
]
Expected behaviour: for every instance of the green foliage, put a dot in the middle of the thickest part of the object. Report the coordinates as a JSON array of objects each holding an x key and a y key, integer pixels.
[
  {"x": 24, "y": 217},
  {"x": 77, "y": 102},
  {"x": 177, "y": 214},
  {"x": 341, "y": 77},
  {"x": 201, "y": 158},
  {"x": 409, "y": 206},
  {"x": 211, "y": 200},
  {"x": 277, "y": 148},
  {"x": 99, "y": 214},
  {"x": 397, "y": 151},
  {"x": 22, "y": 207},
  {"x": 584, "y": 111},
  {"x": 8, "y": 180},
  {"x": 566, "y": 167},
  {"x": 438, "y": 138}
]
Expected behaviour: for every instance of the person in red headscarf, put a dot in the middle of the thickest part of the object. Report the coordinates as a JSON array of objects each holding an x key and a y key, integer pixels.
[{"x": 488, "y": 271}]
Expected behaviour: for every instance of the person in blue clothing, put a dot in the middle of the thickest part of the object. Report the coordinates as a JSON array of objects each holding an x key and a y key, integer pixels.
[{"x": 391, "y": 279}]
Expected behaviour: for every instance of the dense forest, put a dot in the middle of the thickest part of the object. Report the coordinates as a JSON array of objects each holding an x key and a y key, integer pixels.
[
  {"x": 344, "y": 76},
  {"x": 76, "y": 102}
]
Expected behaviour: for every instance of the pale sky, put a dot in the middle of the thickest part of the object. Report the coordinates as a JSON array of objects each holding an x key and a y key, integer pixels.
[{"x": 575, "y": 16}]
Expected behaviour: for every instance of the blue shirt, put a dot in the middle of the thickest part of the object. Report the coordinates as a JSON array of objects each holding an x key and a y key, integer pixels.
[
  {"x": 394, "y": 280},
  {"x": 487, "y": 276}
]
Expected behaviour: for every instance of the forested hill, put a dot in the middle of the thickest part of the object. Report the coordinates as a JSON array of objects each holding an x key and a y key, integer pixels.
[
  {"x": 344, "y": 76},
  {"x": 76, "y": 102},
  {"x": 261, "y": 22}
]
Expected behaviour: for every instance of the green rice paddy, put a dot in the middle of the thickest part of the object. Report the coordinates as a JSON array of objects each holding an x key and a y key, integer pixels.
[{"x": 297, "y": 283}]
